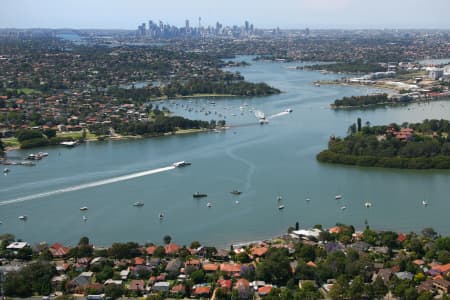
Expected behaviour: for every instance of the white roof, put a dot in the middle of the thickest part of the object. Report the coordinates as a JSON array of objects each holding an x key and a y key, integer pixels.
[
  {"x": 87, "y": 274},
  {"x": 124, "y": 272},
  {"x": 17, "y": 245},
  {"x": 304, "y": 232}
]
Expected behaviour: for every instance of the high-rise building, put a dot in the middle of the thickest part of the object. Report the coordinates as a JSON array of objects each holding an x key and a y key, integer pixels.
[{"x": 187, "y": 25}]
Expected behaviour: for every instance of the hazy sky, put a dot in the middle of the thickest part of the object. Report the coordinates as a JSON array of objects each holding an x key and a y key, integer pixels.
[{"x": 127, "y": 14}]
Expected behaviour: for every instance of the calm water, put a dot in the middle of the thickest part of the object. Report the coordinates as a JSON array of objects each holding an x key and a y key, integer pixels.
[{"x": 261, "y": 161}]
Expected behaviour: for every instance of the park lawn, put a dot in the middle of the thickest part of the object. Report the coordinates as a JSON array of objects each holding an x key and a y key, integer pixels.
[
  {"x": 11, "y": 142},
  {"x": 26, "y": 91},
  {"x": 76, "y": 135}
]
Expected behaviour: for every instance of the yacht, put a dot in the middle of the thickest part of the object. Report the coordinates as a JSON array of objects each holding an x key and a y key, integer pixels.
[
  {"x": 368, "y": 204},
  {"x": 343, "y": 207},
  {"x": 84, "y": 218},
  {"x": 280, "y": 207},
  {"x": 236, "y": 192},
  {"x": 424, "y": 203},
  {"x": 23, "y": 218},
  {"x": 338, "y": 197},
  {"x": 138, "y": 204},
  {"x": 209, "y": 204},
  {"x": 84, "y": 208}
]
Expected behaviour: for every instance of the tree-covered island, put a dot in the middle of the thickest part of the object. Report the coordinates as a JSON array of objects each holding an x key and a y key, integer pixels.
[{"x": 423, "y": 145}]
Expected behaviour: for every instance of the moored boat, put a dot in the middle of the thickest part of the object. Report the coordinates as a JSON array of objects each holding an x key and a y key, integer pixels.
[
  {"x": 235, "y": 192},
  {"x": 23, "y": 218},
  {"x": 280, "y": 207},
  {"x": 368, "y": 204},
  {"x": 338, "y": 197},
  {"x": 199, "y": 195},
  {"x": 138, "y": 204},
  {"x": 84, "y": 208}
]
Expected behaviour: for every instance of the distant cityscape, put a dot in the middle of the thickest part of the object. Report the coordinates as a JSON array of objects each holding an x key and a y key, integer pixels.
[{"x": 161, "y": 30}]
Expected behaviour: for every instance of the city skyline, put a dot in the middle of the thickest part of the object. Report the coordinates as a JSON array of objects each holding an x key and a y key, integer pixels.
[{"x": 286, "y": 14}]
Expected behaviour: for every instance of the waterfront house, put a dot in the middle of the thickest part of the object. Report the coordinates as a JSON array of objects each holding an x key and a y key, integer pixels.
[{"x": 58, "y": 250}]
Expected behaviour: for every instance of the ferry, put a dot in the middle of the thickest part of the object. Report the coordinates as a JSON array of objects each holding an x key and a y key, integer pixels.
[
  {"x": 84, "y": 208},
  {"x": 199, "y": 195},
  {"x": 180, "y": 164}
]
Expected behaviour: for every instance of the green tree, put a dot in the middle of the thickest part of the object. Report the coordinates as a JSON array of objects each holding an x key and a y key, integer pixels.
[{"x": 114, "y": 291}]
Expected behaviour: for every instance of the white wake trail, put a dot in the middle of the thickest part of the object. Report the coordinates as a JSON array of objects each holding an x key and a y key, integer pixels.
[
  {"x": 278, "y": 115},
  {"x": 87, "y": 185}
]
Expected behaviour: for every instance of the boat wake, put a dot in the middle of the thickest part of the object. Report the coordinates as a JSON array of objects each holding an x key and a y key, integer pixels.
[
  {"x": 283, "y": 113},
  {"x": 87, "y": 185}
]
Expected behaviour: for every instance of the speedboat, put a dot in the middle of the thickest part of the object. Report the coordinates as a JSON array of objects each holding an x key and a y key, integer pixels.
[
  {"x": 338, "y": 197},
  {"x": 138, "y": 204},
  {"x": 289, "y": 110},
  {"x": 368, "y": 204},
  {"x": 280, "y": 207},
  {"x": 180, "y": 164},
  {"x": 84, "y": 208},
  {"x": 199, "y": 195},
  {"x": 6, "y": 170},
  {"x": 23, "y": 218},
  {"x": 236, "y": 192},
  {"x": 424, "y": 203},
  {"x": 209, "y": 204}
]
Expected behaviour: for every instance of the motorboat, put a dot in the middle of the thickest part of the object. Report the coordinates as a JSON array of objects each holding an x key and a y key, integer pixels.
[
  {"x": 69, "y": 144},
  {"x": 6, "y": 170},
  {"x": 84, "y": 208},
  {"x": 199, "y": 195},
  {"x": 34, "y": 156},
  {"x": 308, "y": 199},
  {"x": 138, "y": 204},
  {"x": 237, "y": 201},
  {"x": 85, "y": 218},
  {"x": 280, "y": 207},
  {"x": 236, "y": 192},
  {"x": 180, "y": 164},
  {"x": 209, "y": 204},
  {"x": 23, "y": 218},
  {"x": 161, "y": 215},
  {"x": 343, "y": 207},
  {"x": 338, "y": 197},
  {"x": 289, "y": 110},
  {"x": 279, "y": 198},
  {"x": 424, "y": 203},
  {"x": 368, "y": 204}
]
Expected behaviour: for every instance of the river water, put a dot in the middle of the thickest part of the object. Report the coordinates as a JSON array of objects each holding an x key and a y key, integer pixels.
[{"x": 262, "y": 161}]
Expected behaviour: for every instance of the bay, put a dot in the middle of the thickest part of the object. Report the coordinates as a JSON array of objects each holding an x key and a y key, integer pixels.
[{"x": 262, "y": 161}]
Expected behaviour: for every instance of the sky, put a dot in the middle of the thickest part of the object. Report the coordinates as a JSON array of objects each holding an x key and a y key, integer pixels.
[{"x": 286, "y": 14}]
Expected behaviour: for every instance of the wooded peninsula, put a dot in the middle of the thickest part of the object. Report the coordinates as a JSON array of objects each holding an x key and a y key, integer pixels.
[{"x": 423, "y": 145}]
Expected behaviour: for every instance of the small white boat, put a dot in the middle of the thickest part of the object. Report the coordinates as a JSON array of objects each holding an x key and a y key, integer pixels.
[
  {"x": 6, "y": 170},
  {"x": 343, "y": 207},
  {"x": 280, "y": 207},
  {"x": 1, "y": 222},
  {"x": 23, "y": 218},
  {"x": 279, "y": 198},
  {"x": 424, "y": 203},
  {"x": 308, "y": 199},
  {"x": 368, "y": 204},
  {"x": 84, "y": 208},
  {"x": 138, "y": 204},
  {"x": 209, "y": 204},
  {"x": 237, "y": 201},
  {"x": 338, "y": 197},
  {"x": 289, "y": 110},
  {"x": 85, "y": 218}
]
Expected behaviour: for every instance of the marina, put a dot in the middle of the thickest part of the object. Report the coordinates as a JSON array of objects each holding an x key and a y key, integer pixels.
[{"x": 259, "y": 161}]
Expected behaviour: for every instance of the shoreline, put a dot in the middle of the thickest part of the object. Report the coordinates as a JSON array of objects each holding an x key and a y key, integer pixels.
[{"x": 134, "y": 137}]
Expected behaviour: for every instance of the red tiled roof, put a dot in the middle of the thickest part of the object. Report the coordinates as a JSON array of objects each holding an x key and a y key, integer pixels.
[
  {"x": 230, "y": 268},
  {"x": 259, "y": 251},
  {"x": 150, "y": 250},
  {"x": 210, "y": 267},
  {"x": 136, "y": 285},
  {"x": 172, "y": 248},
  {"x": 442, "y": 268},
  {"x": 202, "y": 290},
  {"x": 227, "y": 283},
  {"x": 264, "y": 290},
  {"x": 179, "y": 288},
  {"x": 139, "y": 261},
  {"x": 58, "y": 250}
]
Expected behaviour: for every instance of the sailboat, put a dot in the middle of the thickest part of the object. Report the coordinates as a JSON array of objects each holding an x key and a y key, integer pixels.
[{"x": 368, "y": 204}]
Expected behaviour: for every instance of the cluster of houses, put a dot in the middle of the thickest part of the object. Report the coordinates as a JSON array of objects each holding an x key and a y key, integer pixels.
[{"x": 170, "y": 272}]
